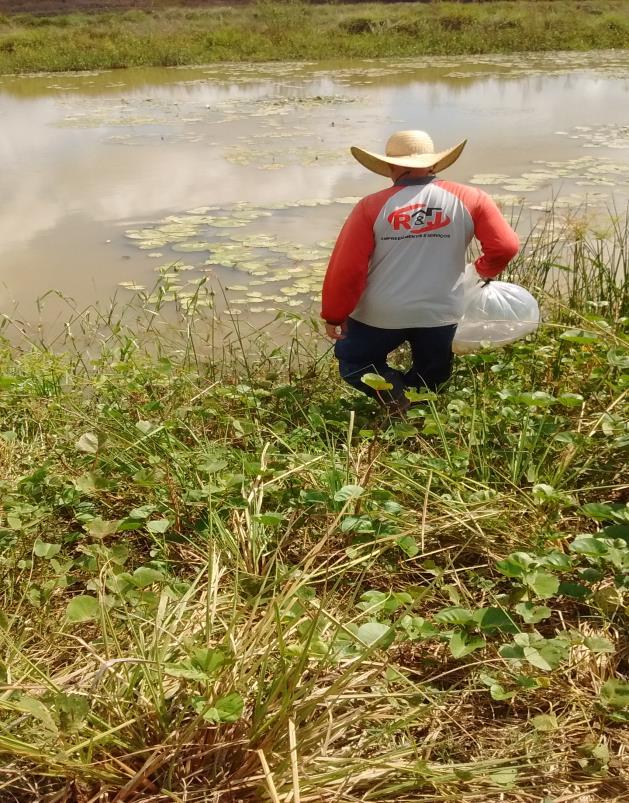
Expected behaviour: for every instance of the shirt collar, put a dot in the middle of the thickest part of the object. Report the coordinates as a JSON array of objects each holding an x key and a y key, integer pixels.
[{"x": 410, "y": 181}]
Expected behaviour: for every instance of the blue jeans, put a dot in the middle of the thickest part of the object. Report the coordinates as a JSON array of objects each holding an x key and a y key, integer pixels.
[{"x": 365, "y": 349}]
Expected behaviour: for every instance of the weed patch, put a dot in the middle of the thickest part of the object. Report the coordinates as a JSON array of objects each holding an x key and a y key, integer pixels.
[{"x": 225, "y": 575}]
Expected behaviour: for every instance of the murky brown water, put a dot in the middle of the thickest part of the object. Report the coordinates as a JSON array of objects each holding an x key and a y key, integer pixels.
[{"x": 242, "y": 173}]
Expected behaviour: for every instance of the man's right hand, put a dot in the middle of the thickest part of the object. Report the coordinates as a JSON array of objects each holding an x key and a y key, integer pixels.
[{"x": 336, "y": 331}]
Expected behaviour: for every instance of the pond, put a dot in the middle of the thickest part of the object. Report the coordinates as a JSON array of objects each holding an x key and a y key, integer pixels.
[{"x": 240, "y": 175}]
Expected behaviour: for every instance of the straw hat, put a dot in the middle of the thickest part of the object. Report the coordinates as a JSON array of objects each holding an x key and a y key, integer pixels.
[{"x": 408, "y": 149}]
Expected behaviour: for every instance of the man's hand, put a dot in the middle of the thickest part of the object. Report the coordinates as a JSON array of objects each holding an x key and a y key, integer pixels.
[{"x": 336, "y": 332}]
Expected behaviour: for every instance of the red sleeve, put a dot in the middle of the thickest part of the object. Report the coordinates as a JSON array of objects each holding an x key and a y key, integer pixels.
[
  {"x": 499, "y": 243},
  {"x": 346, "y": 276}
]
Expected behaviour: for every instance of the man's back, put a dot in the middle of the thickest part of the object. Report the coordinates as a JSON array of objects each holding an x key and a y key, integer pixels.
[{"x": 414, "y": 236}]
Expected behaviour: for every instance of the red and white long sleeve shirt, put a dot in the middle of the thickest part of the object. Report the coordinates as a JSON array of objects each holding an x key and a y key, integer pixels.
[{"x": 399, "y": 259}]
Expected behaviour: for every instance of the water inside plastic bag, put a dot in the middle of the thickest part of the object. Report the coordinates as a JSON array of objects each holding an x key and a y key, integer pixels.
[{"x": 494, "y": 315}]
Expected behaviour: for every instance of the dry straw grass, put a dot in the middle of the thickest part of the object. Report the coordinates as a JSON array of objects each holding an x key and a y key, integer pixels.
[{"x": 219, "y": 585}]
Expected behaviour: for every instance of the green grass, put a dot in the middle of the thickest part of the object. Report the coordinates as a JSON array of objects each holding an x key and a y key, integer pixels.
[
  {"x": 226, "y": 577},
  {"x": 270, "y": 31}
]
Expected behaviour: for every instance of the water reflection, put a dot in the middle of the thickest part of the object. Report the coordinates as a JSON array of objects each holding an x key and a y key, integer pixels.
[{"x": 83, "y": 158}]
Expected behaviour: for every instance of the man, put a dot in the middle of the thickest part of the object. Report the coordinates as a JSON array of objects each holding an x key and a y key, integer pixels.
[{"x": 395, "y": 274}]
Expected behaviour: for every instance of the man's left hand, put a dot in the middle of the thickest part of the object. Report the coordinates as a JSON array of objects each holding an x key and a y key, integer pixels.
[{"x": 336, "y": 331}]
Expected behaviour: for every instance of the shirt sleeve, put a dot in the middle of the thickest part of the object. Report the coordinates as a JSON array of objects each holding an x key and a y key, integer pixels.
[
  {"x": 499, "y": 243},
  {"x": 346, "y": 275}
]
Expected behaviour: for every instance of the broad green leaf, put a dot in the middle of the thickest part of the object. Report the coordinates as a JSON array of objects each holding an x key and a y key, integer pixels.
[
  {"x": 44, "y": 550},
  {"x": 408, "y": 545},
  {"x": 372, "y": 600},
  {"x": 566, "y": 437},
  {"x": 602, "y": 511},
  {"x": 184, "y": 670},
  {"x": 230, "y": 707},
  {"x": 403, "y": 431},
  {"x": 615, "y": 693},
  {"x": 575, "y": 590},
  {"x": 534, "y": 657},
  {"x": 544, "y": 722},
  {"x": 99, "y": 528},
  {"x": 141, "y": 512},
  {"x": 392, "y": 507},
  {"x": 91, "y": 482},
  {"x": 546, "y": 654},
  {"x": 208, "y": 660},
  {"x": 454, "y": 616},
  {"x": 504, "y": 777},
  {"x": 512, "y": 652},
  {"x": 72, "y": 710},
  {"x": 557, "y": 560},
  {"x": 420, "y": 395},
  {"x": 226, "y": 709},
  {"x": 36, "y": 708},
  {"x": 375, "y": 633},
  {"x": 609, "y": 599},
  {"x": 599, "y": 511},
  {"x": 144, "y": 576},
  {"x": 158, "y": 525},
  {"x": 601, "y": 752},
  {"x": 211, "y": 466},
  {"x": 387, "y": 601},
  {"x": 544, "y": 585},
  {"x": 543, "y": 492},
  {"x": 462, "y": 643},
  {"x": 348, "y": 492},
  {"x": 599, "y": 644},
  {"x": 147, "y": 427},
  {"x": 591, "y": 575},
  {"x": 416, "y": 627},
  {"x": 587, "y": 545},
  {"x": 269, "y": 519},
  {"x": 313, "y": 497},
  {"x": 618, "y": 357},
  {"x": 357, "y": 524},
  {"x": 462, "y": 774},
  {"x": 579, "y": 336},
  {"x": 88, "y": 442},
  {"x": 117, "y": 553},
  {"x": 570, "y": 399},
  {"x": 83, "y": 609},
  {"x": 515, "y": 564},
  {"x": 528, "y": 682},
  {"x": 536, "y": 399},
  {"x": 498, "y": 692},
  {"x": 510, "y": 568},
  {"x": 495, "y": 619},
  {"x": 533, "y": 613},
  {"x": 376, "y": 382},
  {"x": 614, "y": 531}
]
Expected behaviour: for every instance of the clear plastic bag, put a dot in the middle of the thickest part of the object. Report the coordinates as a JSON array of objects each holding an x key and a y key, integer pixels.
[{"x": 494, "y": 314}]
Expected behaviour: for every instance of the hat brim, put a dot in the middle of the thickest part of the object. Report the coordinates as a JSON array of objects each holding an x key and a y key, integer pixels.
[{"x": 380, "y": 163}]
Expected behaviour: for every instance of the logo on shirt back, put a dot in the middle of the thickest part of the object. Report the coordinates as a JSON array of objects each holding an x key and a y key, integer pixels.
[{"x": 418, "y": 219}]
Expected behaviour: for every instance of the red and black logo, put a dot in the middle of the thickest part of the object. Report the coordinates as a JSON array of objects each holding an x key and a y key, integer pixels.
[{"x": 418, "y": 218}]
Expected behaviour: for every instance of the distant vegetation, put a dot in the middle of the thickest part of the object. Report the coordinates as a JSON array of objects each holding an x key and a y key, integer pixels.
[{"x": 266, "y": 31}]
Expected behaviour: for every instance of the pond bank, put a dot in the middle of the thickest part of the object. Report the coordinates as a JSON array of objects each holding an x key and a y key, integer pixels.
[
  {"x": 268, "y": 31},
  {"x": 204, "y": 560}
]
